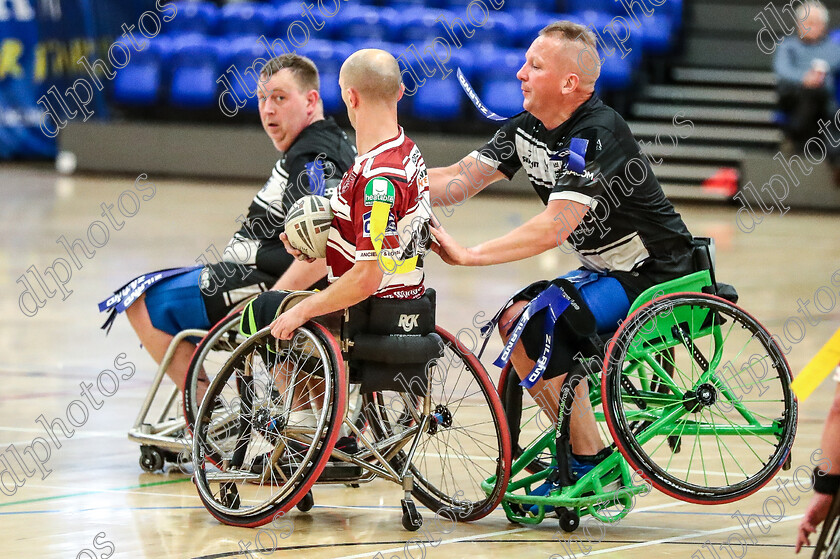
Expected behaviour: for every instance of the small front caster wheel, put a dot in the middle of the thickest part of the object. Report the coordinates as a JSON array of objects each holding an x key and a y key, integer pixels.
[
  {"x": 569, "y": 520},
  {"x": 411, "y": 519},
  {"x": 151, "y": 460},
  {"x": 306, "y": 503}
]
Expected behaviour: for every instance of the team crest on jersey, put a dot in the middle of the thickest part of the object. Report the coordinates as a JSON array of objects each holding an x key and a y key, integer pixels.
[
  {"x": 390, "y": 229},
  {"x": 379, "y": 189}
]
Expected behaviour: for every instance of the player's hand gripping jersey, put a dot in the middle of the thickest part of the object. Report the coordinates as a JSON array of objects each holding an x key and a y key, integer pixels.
[{"x": 382, "y": 213}]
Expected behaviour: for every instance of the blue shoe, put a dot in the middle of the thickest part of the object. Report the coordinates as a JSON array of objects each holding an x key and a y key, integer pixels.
[
  {"x": 542, "y": 491},
  {"x": 582, "y": 465}
]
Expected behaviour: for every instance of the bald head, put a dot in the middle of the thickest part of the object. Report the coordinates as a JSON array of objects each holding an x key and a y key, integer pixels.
[{"x": 374, "y": 73}]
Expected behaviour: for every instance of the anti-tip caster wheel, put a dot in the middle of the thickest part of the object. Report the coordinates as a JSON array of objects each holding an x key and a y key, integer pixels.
[
  {"x": 307, "y": 502},
  {"x": 229, "y": 496},
  {"x": 569, "y": 520},
  {"x": 411, "y": 519},
  {"x": 151, "y": 460}
]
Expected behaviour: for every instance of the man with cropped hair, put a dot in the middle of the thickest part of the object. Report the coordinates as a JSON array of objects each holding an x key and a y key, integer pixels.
[
  {"x": 315, "y": 153},
  {"x": 601, "y": 197}
]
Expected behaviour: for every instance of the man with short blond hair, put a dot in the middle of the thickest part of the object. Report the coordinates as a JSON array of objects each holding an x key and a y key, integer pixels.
[{"x": 601, "y": 197}]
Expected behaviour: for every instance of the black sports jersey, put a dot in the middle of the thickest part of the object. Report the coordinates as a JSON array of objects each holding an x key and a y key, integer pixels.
[
  {"x": 313, "y": 164},
  {"x": 593, "y": 159}
]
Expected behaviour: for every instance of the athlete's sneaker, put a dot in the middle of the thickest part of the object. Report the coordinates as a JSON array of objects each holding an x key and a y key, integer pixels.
[
  {"x": 583, "y": 464},
  {"x": 580, "y": 465}
]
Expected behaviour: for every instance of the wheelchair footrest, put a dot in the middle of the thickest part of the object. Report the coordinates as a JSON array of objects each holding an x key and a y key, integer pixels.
[{"x": 341, "y": 471}]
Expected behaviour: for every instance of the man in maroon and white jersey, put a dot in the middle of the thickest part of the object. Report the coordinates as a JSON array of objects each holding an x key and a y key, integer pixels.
[{"x": 380, "y": 233}]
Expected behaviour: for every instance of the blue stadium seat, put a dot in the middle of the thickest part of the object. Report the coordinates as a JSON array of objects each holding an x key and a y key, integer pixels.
[
  {"x": 607, "y": 6},
  {"x": 458, "y": 58},
  {"x": 193, "y": 17},
  {"x": 527, "y": 5},
  {"x": 438, "y": 100},
  {"x": 331, "y": 93},
  {"x": 503, "y": 97},
  {"x": 248, "y": 18},
  {"x": 616, "y": 72},
  {"x": 499, "y": 29},
  {"x": 365, "y": 22},
  {"x": 417, "y": 25},
  {"x": 493, "y": 64},
  {"x": 658, "y": 34},
  {"x": 243, "y": 53},
  {"x": 633, "y": 43},
  {"x": 405, "y": 4},
  {"x": 194, "y": 63},
  {"x": 328, "y": 56},
  {"x": 529, "y": 23},
  {"x": 140, "y": 83}
]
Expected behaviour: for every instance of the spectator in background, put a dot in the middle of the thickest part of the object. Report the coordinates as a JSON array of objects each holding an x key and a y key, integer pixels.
[{"x": 806, "y": 66}]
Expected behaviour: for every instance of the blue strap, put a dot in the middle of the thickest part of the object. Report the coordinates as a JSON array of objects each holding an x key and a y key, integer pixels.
[
  {"x": 468, "y": 89},
  {"x": 574, "y": 155},
  {"x": 126, "y": 295},
  {"x": 315, "y": 172},
  {"x": 553, "y": 299}
]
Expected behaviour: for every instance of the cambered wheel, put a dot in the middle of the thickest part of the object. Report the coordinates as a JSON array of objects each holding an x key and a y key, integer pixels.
[
  {"x": 728, "y": 399},
  {"x": 469, "y": 443},
  {"x": 268, "y": 424},
  {"x": 209, "y": 357}
]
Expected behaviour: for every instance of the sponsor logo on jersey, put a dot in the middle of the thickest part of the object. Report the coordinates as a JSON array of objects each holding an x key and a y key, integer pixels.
[
  {"x": 379, "y": 189},
  {"x": 390, "y": 229}
]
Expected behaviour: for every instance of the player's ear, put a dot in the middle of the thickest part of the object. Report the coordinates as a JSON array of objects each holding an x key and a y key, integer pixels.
[
  {"x": 402, "y": 91},
  {"x": 571, "y": 83},
  {"x": 312, "y": 97}
]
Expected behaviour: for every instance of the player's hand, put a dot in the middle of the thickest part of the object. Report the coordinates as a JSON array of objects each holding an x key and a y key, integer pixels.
[
  {"x": 293, "y": 251},
  {"x": 816, "y": 513},
  {"x": 813, "y": 79},
  {"x": 448, "y": 248},
  {"x": 284, "y": 326}
]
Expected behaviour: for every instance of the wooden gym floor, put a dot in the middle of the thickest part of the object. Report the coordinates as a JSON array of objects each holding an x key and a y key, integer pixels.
[{"x": 95, "y": 501}]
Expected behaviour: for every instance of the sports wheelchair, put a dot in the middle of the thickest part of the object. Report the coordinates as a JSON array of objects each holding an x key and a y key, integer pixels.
[
  {"x": 694, "y": 392},
  {"x": 828, "y": 542},
  {"x": 433, "y": 420},
  {"x": 167, "y": 439}
]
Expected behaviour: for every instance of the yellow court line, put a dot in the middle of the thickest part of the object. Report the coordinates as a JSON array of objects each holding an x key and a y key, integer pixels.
[{"x": 819, "y": 367}]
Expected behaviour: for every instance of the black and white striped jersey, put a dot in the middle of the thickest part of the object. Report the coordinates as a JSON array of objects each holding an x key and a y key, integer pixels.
[
  {"x": 313, "y": 164},
  {"x": 593, "y": 159}
]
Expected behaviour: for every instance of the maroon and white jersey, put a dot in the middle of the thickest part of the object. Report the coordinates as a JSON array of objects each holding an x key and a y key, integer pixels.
[{"x": 393, "y": 172}]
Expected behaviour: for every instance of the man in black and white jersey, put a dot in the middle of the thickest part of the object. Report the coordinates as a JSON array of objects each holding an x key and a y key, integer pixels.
[
  {"x": 601, "y": 197},
  {"x": 316, "y": 152}
]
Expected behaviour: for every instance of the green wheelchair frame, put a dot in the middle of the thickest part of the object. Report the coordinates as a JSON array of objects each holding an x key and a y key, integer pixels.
[{"x": 572, "y": 498}]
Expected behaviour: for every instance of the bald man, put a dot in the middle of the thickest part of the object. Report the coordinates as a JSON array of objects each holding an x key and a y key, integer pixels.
[
  {"x": 600, "y": 195},
  {"x": 389, "y": 175}
]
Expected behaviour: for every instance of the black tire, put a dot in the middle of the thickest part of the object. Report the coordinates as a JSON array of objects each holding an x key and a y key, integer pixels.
[
  {"x": 246, "y": 442},
  {"x": 710, "y": 337}
]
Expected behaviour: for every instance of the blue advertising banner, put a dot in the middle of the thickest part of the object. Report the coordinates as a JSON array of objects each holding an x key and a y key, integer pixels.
[{"x": 41, "y": 45}]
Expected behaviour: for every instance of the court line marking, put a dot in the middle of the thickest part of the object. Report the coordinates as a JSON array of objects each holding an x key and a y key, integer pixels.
[
  {"x": 93, "y": 492},
  {"x": 453, "y": 540},
  {"x": 675, "y": 539}
]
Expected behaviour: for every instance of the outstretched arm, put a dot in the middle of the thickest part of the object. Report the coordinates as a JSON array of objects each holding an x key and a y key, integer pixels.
[
  {"x": 548, "y": 229},
  {"x": 456, "y": 183}
]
